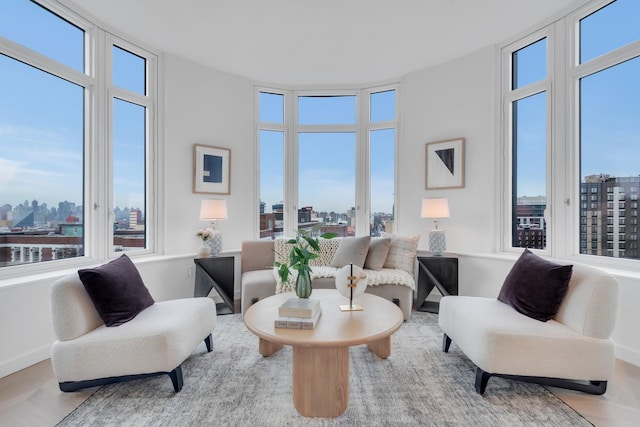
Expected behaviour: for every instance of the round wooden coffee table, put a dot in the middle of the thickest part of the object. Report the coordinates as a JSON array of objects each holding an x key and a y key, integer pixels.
[{"x": 321, "y": 356}]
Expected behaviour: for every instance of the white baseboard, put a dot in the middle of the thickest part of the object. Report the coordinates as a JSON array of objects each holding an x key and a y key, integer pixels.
[
  {"x": 16, "y": 364},
  {"x": 628, "y": 355}
]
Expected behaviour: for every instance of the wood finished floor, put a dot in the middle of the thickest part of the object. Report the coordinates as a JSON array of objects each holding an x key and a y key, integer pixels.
[{"x": 31, "y": 398}]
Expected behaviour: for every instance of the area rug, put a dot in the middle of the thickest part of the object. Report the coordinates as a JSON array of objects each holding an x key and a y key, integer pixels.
[{"x": 235, "y": 386}]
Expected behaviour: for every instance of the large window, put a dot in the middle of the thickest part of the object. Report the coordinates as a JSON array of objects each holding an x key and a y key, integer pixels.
[
  {"x": 75, "y": 136},
  {"x": 526, "y": 115},
  {"x": 573, "y": 151},
  {"x": 337, "y": 151},
  {"x": 382, "y": 131},
  {"x": 607, "y": 79},
  {"x": 130, "y": 136}
]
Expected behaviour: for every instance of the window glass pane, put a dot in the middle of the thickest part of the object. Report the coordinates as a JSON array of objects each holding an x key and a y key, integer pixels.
[
  {"x": 327, "y": 181},
  {"x": 271, "y": 184},
  {"x": 383, "y": 106},
  {"x": 529, "y": 64},
  {"x": 326, "y": 110},
  {"x": 129, "y": 71},
  {"x": 271, "y": 107},
  {"x": 35, "y": 27},
  {"x": 529, "y": 171},
  {"x": 41, "y": 165},
  {"x": 129, "y": 146},
  {"x": 610, "y": 149},
  {"x": 609, "y": 28},
  {"x": 382, "y": 169}
]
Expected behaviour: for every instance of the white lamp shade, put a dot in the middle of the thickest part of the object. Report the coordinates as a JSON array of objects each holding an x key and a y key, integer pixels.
[
  {"x": 211, "y": 210},
  {"x": 435, "y": 207}
]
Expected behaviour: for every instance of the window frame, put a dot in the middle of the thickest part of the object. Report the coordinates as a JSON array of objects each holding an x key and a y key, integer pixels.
[
  {"x": 563, "y": 167},
  {"x": 508, "y": 96},
  {"x": 292, "y": 129},
  {"x": 148, "y": 101},
  {"x": 97, "y": 178}
]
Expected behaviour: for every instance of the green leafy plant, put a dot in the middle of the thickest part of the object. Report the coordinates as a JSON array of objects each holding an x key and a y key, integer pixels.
[{"x": 304, "y": 248}]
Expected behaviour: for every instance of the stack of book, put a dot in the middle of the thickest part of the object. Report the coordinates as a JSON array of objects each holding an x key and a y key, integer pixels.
[{"x": 298, "y": 313}]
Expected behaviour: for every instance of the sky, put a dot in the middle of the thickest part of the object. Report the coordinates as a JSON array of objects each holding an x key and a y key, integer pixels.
[
  {"x": 41, "y": 128},
  {"x": 41, "y": 116},
  {"x": 327, "y": 160},
  {"x": 610, "y": 103}
]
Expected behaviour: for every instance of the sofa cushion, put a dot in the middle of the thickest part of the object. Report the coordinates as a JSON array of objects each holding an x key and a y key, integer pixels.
[
  {"x": 535, "y": 287},
  {"x": 402, "y": 253},
  {"x": 116, "y": 290},
  {"x": 351, "y": 250},
  {"x": 377, "y": 255}
]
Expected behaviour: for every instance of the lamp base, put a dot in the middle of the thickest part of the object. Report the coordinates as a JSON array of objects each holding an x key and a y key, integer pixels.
[
  {"x": 437, "y": 242},
  {"x": 215, "y": 243}
]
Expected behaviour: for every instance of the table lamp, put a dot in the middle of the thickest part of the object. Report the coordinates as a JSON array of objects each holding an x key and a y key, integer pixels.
[
  {"x": 436, "y": 208},
  {"x": 214, "y": 210}
]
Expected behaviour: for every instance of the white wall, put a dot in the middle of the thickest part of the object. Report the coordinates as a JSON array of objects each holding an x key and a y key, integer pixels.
[
  {"x": 210, "y": 107},
  {"x": 449, "y": 101},
  {"x": 205, "y": 106}
]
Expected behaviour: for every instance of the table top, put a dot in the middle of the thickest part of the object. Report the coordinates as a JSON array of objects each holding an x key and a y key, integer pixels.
[{"x": 378, "y": 319}]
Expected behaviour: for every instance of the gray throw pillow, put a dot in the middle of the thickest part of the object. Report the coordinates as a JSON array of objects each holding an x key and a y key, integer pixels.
[
  {"x": 378, "y": 251},
  {"x": 351, "y": 250},
  {"x": 536, "y": 287}
]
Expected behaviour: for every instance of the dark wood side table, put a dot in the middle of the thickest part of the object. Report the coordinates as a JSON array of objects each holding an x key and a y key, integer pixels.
[
  {"x": 440, "y": 272},
  {"x": 216, "y": 272}
]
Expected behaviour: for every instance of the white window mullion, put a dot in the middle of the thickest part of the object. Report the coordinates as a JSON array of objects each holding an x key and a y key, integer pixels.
[
  {"x": 98, "y": 152},
  {"x": 291, "y": 166},
  {"x": 363, "y": 181}
]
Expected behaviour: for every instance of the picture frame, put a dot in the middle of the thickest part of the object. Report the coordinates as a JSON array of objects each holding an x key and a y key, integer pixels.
[
  {"x": 444, "y": 164},
  {"x": 211, "y": 169}
]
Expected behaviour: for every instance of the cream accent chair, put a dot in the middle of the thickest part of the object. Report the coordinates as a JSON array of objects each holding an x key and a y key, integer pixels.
[
  {"x": 572, "y": 350},
  {"x": 87, "y": 353}
]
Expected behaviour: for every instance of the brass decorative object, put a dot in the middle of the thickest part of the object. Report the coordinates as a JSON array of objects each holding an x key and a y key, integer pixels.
[{"x": 357, "y": 281}]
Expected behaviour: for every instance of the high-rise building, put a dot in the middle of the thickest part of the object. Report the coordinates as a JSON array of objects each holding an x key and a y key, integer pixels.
[
  {"x": 529, "y": 223},
  {"x": 609, "y": 216}
]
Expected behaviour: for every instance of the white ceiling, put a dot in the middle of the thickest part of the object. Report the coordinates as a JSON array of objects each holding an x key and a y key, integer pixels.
[{"x": 314, "y": 42}]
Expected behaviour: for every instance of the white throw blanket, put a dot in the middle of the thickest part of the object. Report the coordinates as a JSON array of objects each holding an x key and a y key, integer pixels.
[{"x": 386, "y": 276}]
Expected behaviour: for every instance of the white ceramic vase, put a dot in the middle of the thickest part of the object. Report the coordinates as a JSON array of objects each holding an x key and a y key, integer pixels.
[{"x": 204, "y": 250}]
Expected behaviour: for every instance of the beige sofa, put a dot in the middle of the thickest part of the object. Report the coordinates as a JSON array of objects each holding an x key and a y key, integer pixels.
[
  {"x": 572, "y": 350},
  {"x": 259, "y": 280}
]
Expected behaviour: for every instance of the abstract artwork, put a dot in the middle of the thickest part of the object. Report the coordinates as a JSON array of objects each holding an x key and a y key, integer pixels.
[
  {"x": 211, "y": 169},
  {"x": 445, "y": 164}
]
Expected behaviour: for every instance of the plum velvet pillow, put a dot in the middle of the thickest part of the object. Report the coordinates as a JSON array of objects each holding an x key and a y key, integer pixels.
[
  {"x": 536, "y": 287},
  {"x": 117, "y": 290}
]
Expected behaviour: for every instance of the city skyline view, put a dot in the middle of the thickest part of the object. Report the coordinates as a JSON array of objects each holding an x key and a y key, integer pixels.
[
  {"x": 42, "y": 116},
  {"x": 32, "y": 124},
  {"x": 334, "y": 146}
]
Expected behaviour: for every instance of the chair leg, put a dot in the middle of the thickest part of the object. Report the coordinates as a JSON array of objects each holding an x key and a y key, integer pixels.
[
  {"x": 208, "y": 343},
  {"x": 591, "y": 387},
  {"x": 446, "y": 343},
  {"x": 482, "y": 378},
  {"x": 176, "y": 378}
]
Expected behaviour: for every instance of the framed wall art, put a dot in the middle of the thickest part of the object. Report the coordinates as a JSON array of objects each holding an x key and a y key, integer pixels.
[
  {"x": 211, "y": 169},
  {"x": 445, "y": 164}
]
